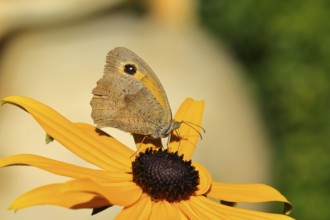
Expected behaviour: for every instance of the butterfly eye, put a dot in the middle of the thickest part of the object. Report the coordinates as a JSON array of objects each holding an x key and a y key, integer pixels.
[{"x": 130, "y": 69}]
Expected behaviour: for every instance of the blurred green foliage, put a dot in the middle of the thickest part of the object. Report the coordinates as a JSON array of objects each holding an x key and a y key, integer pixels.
[{"x": 285, "y": 47}]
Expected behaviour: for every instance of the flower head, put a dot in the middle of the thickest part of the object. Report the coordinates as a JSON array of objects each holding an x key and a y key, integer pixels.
[
  {"x": 165, "y": 175},
  {"x": 154, "y": 183}
]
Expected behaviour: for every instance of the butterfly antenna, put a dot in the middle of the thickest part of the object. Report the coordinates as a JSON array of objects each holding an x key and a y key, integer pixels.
[{"x": 190, "y": 124}]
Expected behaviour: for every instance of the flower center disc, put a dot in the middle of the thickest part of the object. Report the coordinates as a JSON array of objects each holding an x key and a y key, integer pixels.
[{"x": 165, "y": 175}]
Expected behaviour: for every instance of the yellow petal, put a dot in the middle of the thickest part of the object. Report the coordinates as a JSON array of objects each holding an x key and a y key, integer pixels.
[
  {"x": 64, "y": 169},
  {"x": 122, "y": 194},
  {"x": 189, "y": 212},
  {"x": 114, "y": 146},
  {"x": 190, "y": 114},
  {"x": 53, "y": 195},
  {"x": 71, "y": 136},
  {"x": 164, "y": 210},
  {"x": 203, "y": 210},
  {"x": 182, "y": 216},
  {"x": 140, "y": 210},
  {"x": 247, "y": 193},
  {"x": 205, "y": 179},
  {"x": 208, "y": 209}
]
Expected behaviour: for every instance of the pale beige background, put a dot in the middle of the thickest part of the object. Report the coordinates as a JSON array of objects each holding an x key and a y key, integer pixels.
[{"x": 59, "y": 54}]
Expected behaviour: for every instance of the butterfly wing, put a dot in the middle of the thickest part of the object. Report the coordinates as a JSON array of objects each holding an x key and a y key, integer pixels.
[{"x": 135, "y": 103}]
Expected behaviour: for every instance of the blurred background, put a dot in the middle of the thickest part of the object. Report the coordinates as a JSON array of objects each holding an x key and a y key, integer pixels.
[{"x": 261, "y": 67}]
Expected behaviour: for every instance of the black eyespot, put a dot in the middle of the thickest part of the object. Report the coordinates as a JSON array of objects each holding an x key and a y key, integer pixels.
[{"x": 130, "y": 69}]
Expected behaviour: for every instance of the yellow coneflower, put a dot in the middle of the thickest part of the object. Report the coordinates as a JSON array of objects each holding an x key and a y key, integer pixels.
[{"x": 154, "y": 183}]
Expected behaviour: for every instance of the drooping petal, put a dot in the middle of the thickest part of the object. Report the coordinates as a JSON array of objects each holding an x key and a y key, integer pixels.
[
  {"x": 163, "y": 210},
  {"x": 190, "y": 114},
  {"x": 208, "y": 209},
  {"x": 64, "y": 169},
  {"x": 205, "y": 179},
  {"x": 53, "y": 195},
  {"x": 71, "y": 136},
  {"x": 247, "y": 193},
  {"x": 140, "y": 210}
]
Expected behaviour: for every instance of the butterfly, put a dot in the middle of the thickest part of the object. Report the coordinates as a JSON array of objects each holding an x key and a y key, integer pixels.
[{"x": 131, "y": 98}]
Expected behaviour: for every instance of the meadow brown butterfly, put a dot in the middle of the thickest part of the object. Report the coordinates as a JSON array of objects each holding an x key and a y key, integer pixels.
[{"x": 130, "y": 97}]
